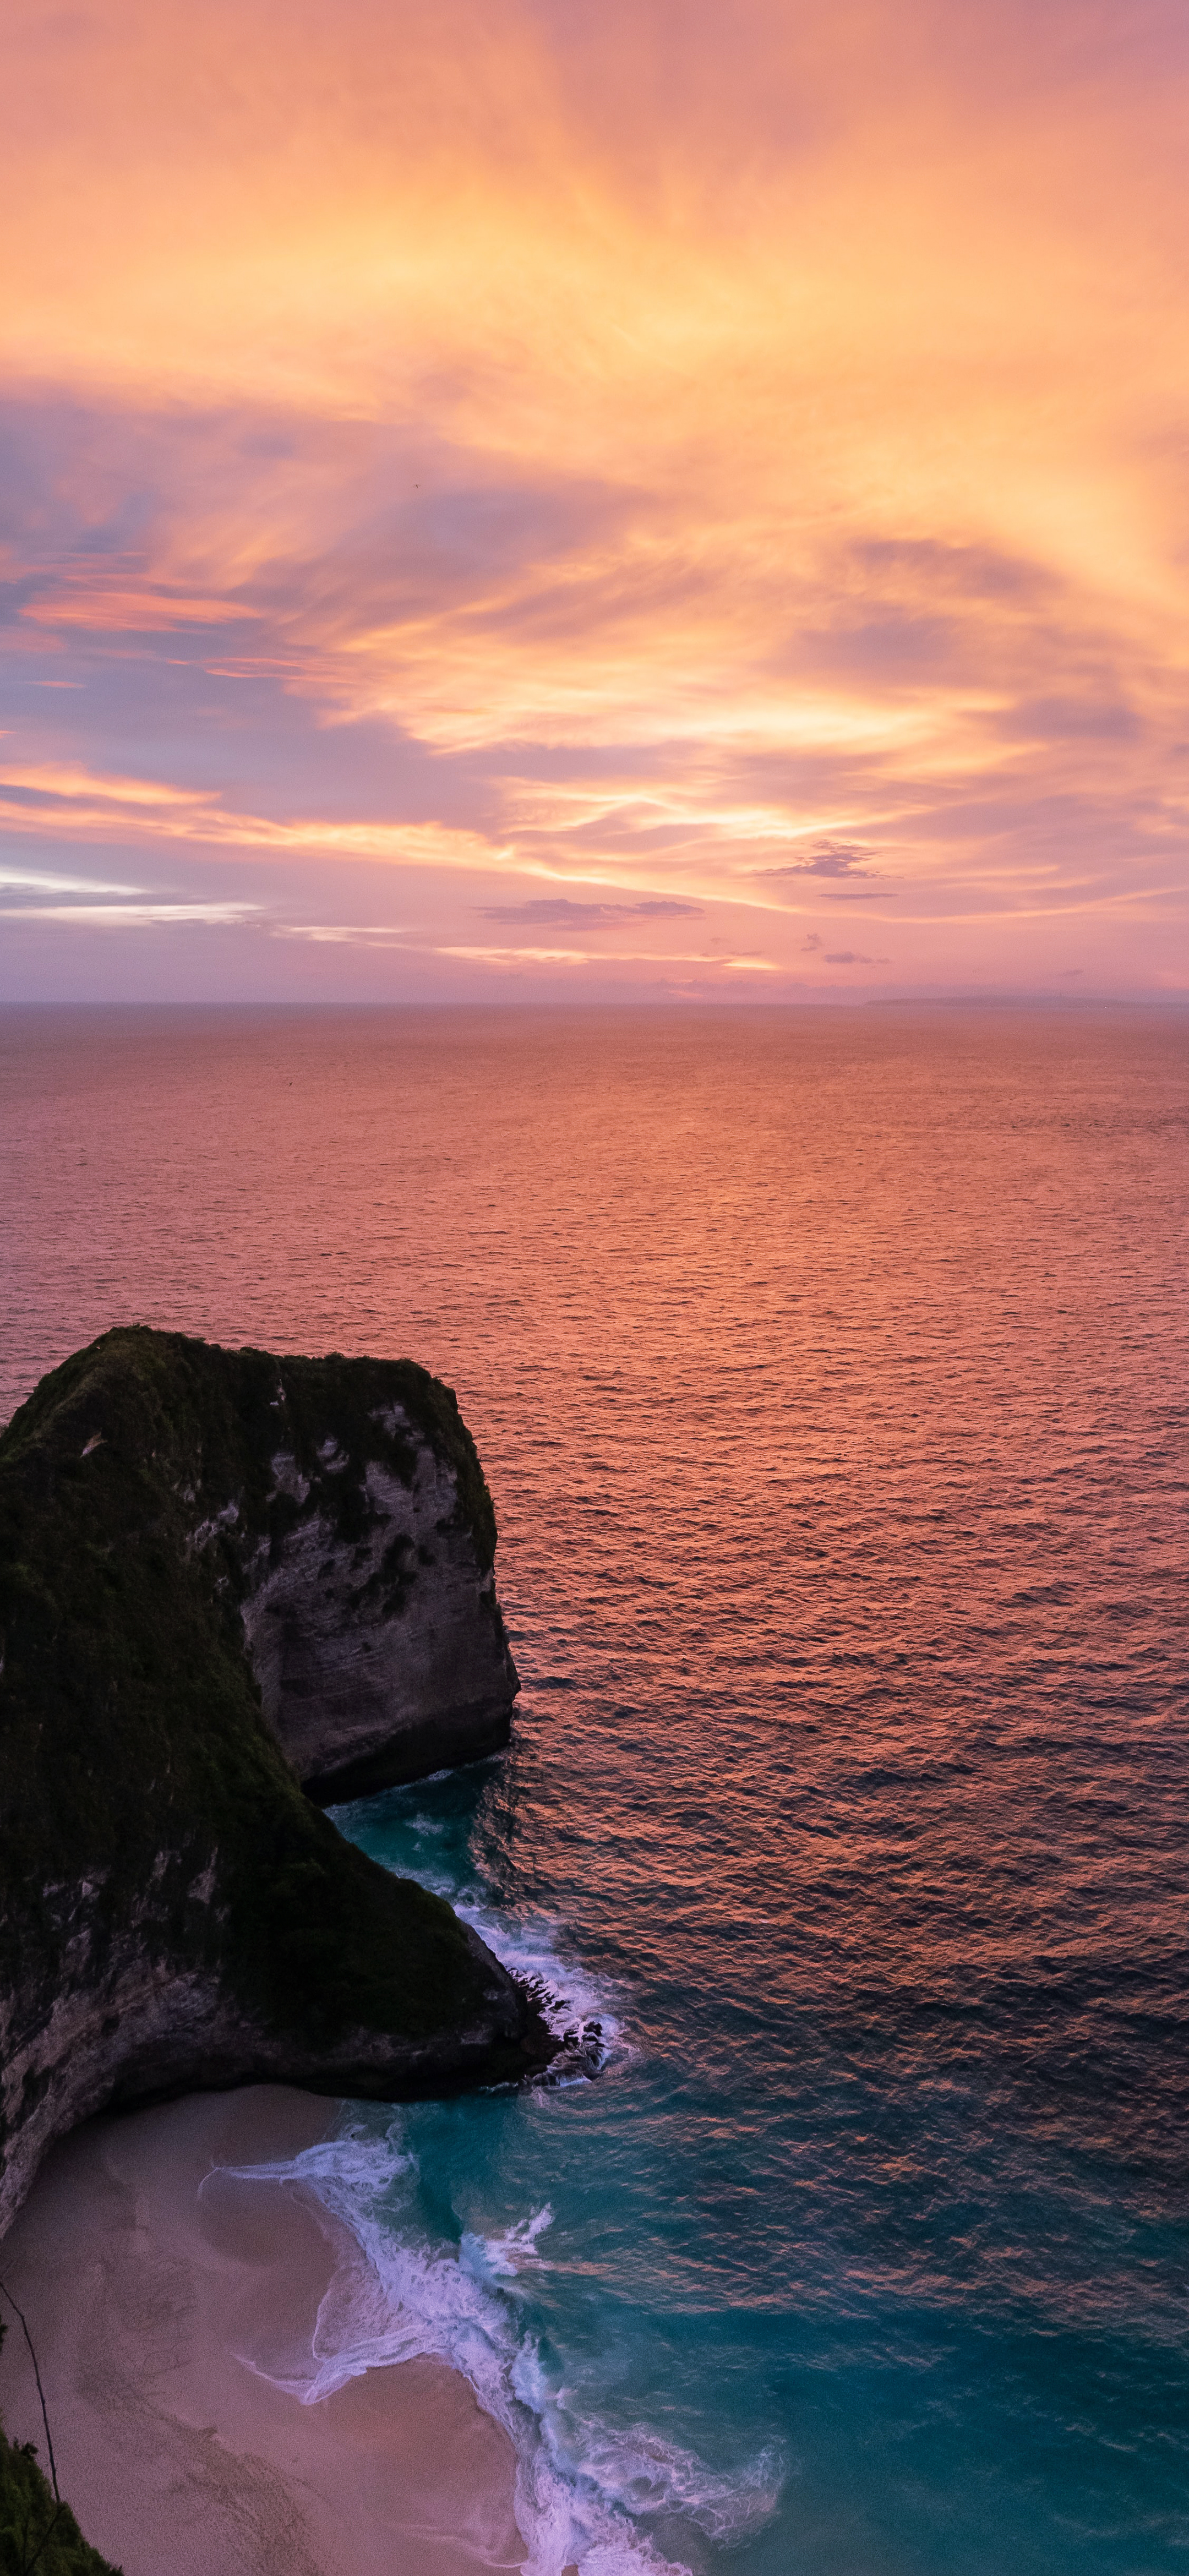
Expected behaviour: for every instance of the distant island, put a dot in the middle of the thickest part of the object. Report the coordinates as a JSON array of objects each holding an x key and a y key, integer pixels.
[{"x": 232, "y": 1588}]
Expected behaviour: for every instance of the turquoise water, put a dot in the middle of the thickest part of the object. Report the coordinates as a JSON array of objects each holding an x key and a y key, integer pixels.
[
  {"x": 830, "y": 1375},
  {"x": 806, "y": 2278}
]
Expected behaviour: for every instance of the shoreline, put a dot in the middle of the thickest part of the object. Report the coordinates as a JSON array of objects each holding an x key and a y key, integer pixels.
[{"x": 156, "y": 2314}]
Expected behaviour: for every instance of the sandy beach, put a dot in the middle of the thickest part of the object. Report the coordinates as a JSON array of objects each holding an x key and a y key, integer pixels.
[{"x": 154, "y": 2312}]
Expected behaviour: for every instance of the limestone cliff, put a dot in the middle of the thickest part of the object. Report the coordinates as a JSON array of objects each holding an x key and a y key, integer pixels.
[
  {"x": 369, "y": 1606},
  {"x": 224, "y": 1574}
]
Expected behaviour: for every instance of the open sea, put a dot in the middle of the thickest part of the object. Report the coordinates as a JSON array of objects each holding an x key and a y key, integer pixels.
[{"x": 829, "y": 1373}]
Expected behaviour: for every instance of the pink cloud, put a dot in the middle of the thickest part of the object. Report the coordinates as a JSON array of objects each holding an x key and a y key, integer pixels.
[{"x": 600, "y": 471}]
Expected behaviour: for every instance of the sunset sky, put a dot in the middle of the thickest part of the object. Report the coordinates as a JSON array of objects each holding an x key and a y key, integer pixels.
[{"x": 553, "y": 501}]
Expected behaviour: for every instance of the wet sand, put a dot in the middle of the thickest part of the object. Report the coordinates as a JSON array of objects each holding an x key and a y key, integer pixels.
[{"x": 148, "y": 2305}]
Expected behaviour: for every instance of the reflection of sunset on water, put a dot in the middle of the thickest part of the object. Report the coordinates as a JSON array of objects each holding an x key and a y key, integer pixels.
[
  {"x": 827, "y": 1369},
  {"x": 452, "y": 460}
]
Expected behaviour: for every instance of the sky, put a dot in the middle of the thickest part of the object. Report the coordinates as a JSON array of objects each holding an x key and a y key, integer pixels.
[{"x": 578, "y": 503}]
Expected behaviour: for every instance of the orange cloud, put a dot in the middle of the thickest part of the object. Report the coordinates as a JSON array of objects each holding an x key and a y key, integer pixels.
[
  {"x": 686, "y": 440},
  {"x": 120, "y": 612}
]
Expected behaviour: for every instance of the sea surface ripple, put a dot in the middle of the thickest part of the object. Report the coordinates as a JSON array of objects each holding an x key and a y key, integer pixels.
[{"x": 829, "y": 1371}]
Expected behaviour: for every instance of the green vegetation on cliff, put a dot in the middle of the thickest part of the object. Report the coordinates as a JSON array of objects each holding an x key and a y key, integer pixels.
[
  {"x": 132, "y": 1749},
  {"x": 147, "y": 1813},
  {"x": 38, "y": 2535},
  {"x": 174, "y": 1910}
]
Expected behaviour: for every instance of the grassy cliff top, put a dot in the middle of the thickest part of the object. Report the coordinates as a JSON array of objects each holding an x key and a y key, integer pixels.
[{"x": 211, "y": 1420}]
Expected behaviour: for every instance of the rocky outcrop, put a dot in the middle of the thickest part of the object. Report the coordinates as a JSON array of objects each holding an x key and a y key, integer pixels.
[
  {"x": 371, "y": 1615},
  {"x": 223, "y": 1575}
]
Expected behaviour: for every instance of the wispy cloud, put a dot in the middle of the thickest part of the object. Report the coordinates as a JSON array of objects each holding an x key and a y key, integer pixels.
[
  {"x": 134, "y": 916},
  {"x": 815, "y": 946},
  {"x": 560, "y": 912},
  {"x": 344, "y": 934},
  {"x": 708, "y": 960},
  {"x": 829, "y": 859},
  {"x": 36, "y": 881},
  {"x": 607, "y": 471}
]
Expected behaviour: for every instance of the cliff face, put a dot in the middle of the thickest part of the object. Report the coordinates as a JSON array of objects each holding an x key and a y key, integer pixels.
[
  {"x": 370, "y": 1610},
  {"x": 222, "y": 1574}
]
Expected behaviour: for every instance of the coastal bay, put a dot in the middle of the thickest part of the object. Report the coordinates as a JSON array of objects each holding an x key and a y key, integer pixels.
[{"x": 166, "y": 2314}]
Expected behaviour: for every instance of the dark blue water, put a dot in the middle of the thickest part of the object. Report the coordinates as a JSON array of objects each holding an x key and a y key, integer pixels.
[{"x": 830, "y": 1374}]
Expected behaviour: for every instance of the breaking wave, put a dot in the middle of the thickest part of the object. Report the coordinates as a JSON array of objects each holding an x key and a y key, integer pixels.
[{"x": 584, "y": 2492}]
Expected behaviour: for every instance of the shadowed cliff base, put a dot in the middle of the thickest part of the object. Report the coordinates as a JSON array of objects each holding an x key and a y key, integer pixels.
[{"x": 220, "y": 1573}]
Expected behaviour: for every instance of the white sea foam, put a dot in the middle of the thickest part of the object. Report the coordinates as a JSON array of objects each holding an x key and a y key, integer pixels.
[
  {"x": 574, "y": 2004},
  {"x": 504, "y": 2258},
  {"x": 582, "y": 2489}
]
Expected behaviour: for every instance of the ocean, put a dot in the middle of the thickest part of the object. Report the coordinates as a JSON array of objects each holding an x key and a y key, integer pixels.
[{"x": 829, "y": 1373}]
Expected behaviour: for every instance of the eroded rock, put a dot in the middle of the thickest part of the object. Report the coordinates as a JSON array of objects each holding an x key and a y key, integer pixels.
[{"x": 223, "y": 1574}]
